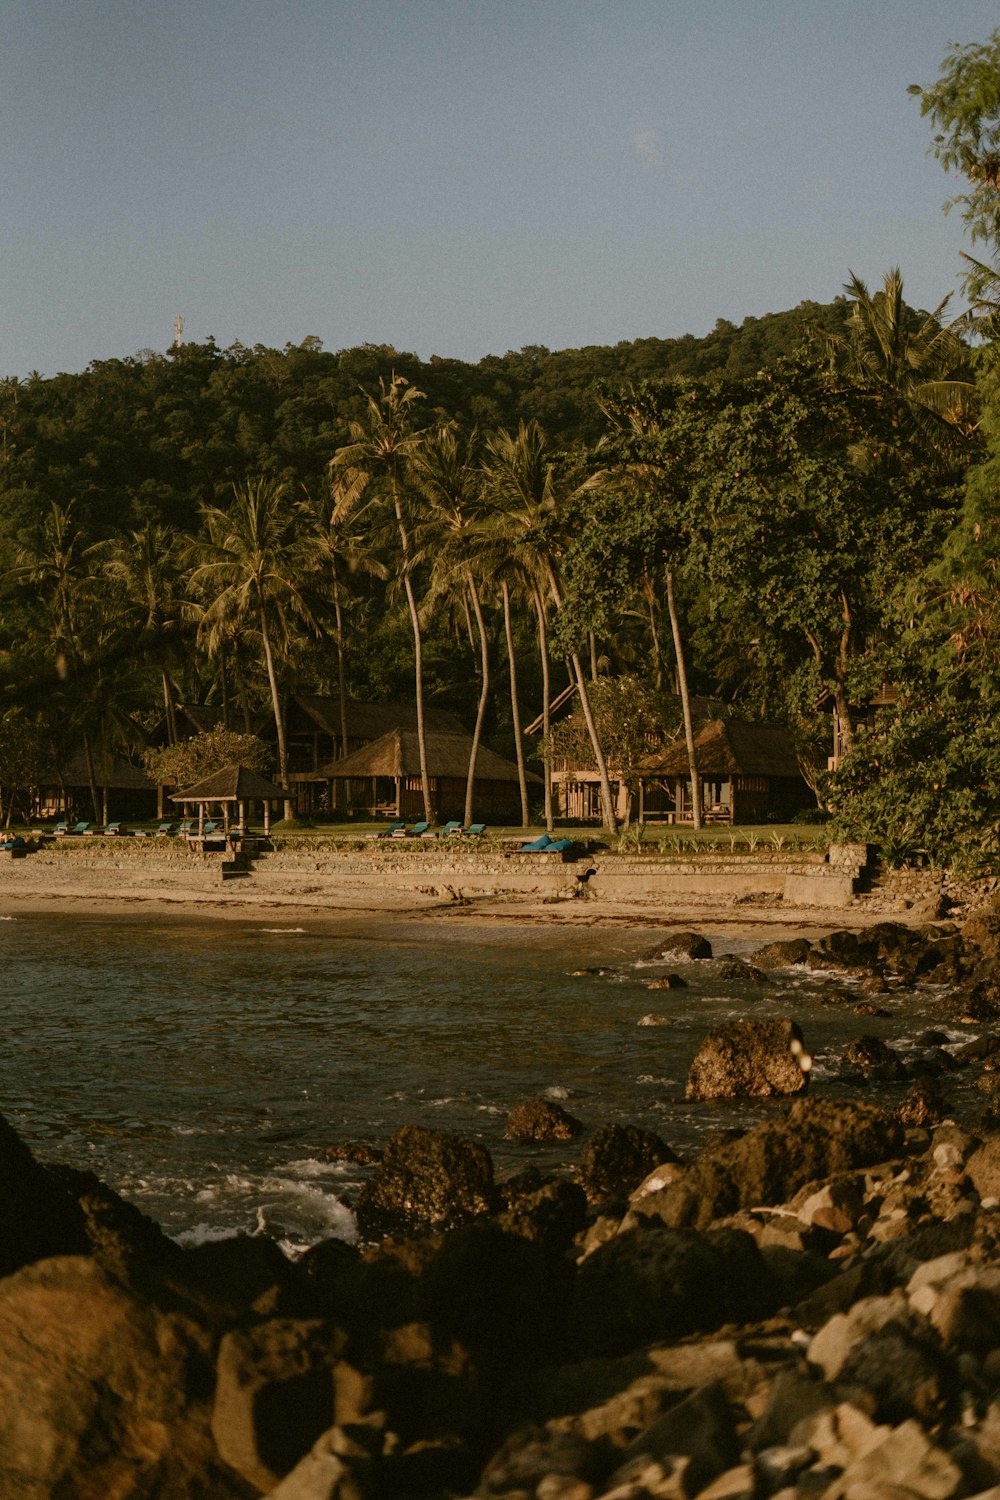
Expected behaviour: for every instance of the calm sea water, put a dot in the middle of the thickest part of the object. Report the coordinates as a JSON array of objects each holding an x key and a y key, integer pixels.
[{"x": 204, "y": 1068}]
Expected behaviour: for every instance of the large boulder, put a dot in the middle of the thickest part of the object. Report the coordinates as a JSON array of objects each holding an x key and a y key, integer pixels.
[
  {"x": 618, "y": 1158},
  {"x": 678, "y": 945},
  {"x": 38, "y": 1217},
  {"x": 652, "y": 1285},
  {"x": 427, "y": 1179},
  {"x": 754, "y": 1059},
  {"x": 782, "y": 954},
  {"x": 814, "y": 1140},
  {"x": 98, "y": 1392}
]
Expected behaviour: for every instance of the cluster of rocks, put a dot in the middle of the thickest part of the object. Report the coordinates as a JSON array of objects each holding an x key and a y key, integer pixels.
[{"x": 810, "y": 1307}]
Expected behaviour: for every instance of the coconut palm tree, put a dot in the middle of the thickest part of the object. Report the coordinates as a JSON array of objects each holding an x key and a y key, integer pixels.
[
  {"x": 248, "y": 566},
  {"x": 913, "y": 358},
  {"x": 380, "y": 457},
  {"x": 520, "y": 480},
  {"x": 448, "y": 474}
]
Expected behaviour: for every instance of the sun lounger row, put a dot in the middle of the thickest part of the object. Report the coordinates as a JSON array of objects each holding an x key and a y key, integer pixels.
[{"x": 423, "y": 830}]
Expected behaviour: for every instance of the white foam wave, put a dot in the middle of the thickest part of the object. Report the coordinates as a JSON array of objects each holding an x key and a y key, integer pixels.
[
  {"x": 204, "y": 1234},
  {"x": 8, "y": 919},
  {"x": 282, "y": 929},
  {"x": 653, "y": 1020},
  {"x": 555, "y": 1091}
]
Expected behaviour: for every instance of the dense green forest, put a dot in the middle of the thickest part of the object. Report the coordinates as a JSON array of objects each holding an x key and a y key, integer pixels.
[{"x": 783, "y": 515}]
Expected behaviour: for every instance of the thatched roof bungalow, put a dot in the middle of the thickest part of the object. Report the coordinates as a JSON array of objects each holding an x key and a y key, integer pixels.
[
  {"x": 384, "y": 777},
  {"x": 749, "y": 774}
]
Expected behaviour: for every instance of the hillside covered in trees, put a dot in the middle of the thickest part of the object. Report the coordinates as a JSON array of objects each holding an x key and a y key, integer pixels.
[{"x": 784, "y": 516}]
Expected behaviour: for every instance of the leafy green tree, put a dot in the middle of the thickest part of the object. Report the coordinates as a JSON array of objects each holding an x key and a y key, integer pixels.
[
  {"x": 964, "y": 106},
  {"x": 191, "y": 760}
]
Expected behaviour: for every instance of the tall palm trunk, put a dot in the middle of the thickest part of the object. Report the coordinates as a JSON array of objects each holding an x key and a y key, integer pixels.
[
  {"x": 169, "y": 708},
  {"x": 279, "y": 718},
  {"x": 418, "y": 648},
  {"x": 477, "y": 733},
  {"x": 522, "y": 779},
  {"x": 607, "y": 801},
  {"x": 682, "y": 687},
  {"x": 543, "y": 650},
  {"x": 341, "y": 674},
  {"x": 88, "y": 755}
]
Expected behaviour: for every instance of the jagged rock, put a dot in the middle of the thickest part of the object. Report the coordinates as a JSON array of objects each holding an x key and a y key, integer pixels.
[
  {"x": 768, "y": 1165},
  {"x": 426, "y": 1179},
  {"x": 95, "y": 1393},
  {"x": 835, "y": 1206},
  {"x": 793, "y": 1396},
  {"x": 783, "y": 954},
  {"x": 541, "y": 1120},
  {"x": 754, "y": 1059},
  {"x": 123, "y": 1241},
  {"x": 735, "y": 971},
  {"x": 343, "y": 1464},
  {"x": 37, "y": 1216},
  {"x": 902, "y": 1369},
  {"x": 617, "y": 1158},
  {"x": 552, "y": 1215},
  {"x": 667, "y": 982},
  {"x": 529, "y": 1456},
  {"x": 224, "y": 1279},
  {"x": 916, "y": 1465},
  {"x": 700, "y": 1430},
  {"x": 689, "y": 945},
  {"x": 359, "y": 1153},
  {"x": 983, "y": 1168},
  {"x": 274, "y": 1395},
  {"x": 660, "y": 1284},
  {"x": 921, "y": 1107},
  {"x": 871, "y": 1057}
]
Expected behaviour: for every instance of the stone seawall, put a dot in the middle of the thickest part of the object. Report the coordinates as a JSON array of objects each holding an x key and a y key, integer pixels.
[{"x": 432, "y": 872}]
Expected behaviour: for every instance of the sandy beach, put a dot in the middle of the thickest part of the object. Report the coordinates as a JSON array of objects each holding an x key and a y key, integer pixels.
[{"x": 101, "y": 878}]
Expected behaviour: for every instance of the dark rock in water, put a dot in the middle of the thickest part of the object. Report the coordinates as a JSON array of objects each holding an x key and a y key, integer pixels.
[
  {"x": 735, "y": 971},
  {"x": 658, "y": 1284},
  {"x": 668, "y": 982},
  {"x": 427, "y": 1179},
  {"x": 866, "y": 1008},
  {"x": 922, "y": 1106},
  {"x": 225, "y": 1278},
  {"x": 617, "y": 1158},
  {"x": 978, "y": 1050},
  {"x": 541, "y": 1120},
  {"x": 782, "y": 955},
  {"x": 750, "y": 1059},
  {"x": 870, "y": 1056},
  {"x": 680, "y": 945},
  {"x": 359, "y": 1153},
  {"x": 814, "y": 1139}
]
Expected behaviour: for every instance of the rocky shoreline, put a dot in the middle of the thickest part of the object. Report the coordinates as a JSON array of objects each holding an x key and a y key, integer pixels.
[{"x": 808, "y": 1307}]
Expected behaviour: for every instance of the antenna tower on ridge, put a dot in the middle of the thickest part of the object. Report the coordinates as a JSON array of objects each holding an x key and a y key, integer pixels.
[{"x": 178, "y": 331}]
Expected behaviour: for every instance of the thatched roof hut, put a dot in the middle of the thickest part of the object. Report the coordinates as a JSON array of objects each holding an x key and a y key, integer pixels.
[
  {"x": 389, "y": 769},
  {"x": 749, "y": 773}
]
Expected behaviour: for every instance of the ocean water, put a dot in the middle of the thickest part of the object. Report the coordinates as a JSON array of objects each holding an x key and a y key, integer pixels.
[{"x": 209, "y": 1069}]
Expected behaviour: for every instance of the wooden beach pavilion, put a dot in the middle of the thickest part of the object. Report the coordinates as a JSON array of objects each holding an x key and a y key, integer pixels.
[{"x": 234, "y": 789}]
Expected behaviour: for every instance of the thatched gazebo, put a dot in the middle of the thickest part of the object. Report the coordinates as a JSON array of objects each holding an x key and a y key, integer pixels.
[
  {"x": 749, "y": 773},
  {"x": 233, "y": 788},
  {"x": 385, "y": 777}
]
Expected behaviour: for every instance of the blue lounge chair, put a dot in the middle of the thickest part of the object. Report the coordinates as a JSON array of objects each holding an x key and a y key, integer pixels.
[
  {"x": 416, "y": 832},
  {"x": 210, "y": 827},
  {"x": 449, "y": 829},
  {"x": 473, "y": 831},
  {"x": 15, "y": 842},
  {"x": 537, "y": 845},
  {"x": 111, "y": 829},
  {"x": 165, "y": 830},
  {"x": 61, "y": 828},
  {"x": 391, "y": 831},
  {"x": 78, "y": 829}
]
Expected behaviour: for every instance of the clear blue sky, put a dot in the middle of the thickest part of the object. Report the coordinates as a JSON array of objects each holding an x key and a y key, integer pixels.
[{"x": 458, "y": 177}]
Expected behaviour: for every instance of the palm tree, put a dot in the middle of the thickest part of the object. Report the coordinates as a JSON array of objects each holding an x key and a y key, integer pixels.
[
  {"x": 249, "y": 566},
  {"x": 340, "y": 554},
  {"x": 913, "y": 358},
  {"x": 144, "y": 566},
  {"x": 520, "y": 479},
  {"x": 448, "y": 475},
  {"x": 380, "y": 455}
]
